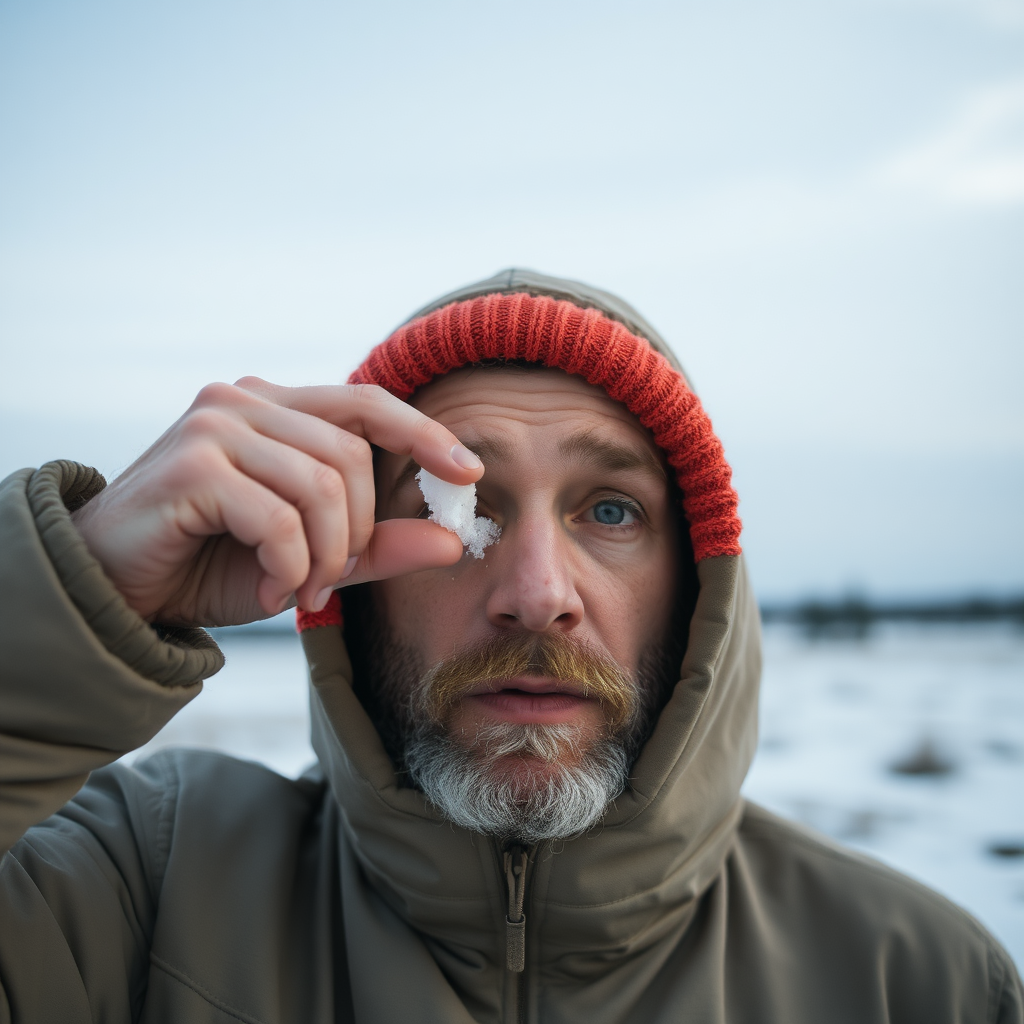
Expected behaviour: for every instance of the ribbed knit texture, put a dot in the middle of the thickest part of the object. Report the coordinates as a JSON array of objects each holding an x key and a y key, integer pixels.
[
  {"x": 559, "y": 334},
  {"x": 329, "y": 615}
]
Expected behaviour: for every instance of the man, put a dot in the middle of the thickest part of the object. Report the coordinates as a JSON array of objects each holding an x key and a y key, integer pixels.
[{"x": 527, "y": 805}]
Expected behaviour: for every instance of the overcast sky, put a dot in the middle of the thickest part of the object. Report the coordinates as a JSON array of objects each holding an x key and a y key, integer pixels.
[{"x": 820, "y": 204}]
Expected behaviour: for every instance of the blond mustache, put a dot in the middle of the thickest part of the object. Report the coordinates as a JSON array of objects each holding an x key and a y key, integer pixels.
[{"x": 554, "y": 655}]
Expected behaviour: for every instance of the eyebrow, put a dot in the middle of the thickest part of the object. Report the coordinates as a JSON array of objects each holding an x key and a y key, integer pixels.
[
  {"x": 587, "y": 446},
  {"x": 583, "y": 446}
]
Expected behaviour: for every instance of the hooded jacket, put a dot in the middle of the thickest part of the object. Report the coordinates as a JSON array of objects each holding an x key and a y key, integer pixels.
[{"x": 194, "y": 887}]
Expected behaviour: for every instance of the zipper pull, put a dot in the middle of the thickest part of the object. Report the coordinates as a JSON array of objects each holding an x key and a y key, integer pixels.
[{"x": 515, "y": 920}]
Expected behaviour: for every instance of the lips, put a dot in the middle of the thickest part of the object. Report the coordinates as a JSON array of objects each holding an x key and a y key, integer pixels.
[
  {"x": 533, "y": 700},
  {"x": 528, "y": 685}
]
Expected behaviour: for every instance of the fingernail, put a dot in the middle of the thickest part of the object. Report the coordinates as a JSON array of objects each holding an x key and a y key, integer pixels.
[
  {"x": 287, "y": 602},
  {"x": 463, "y": 457},
  {"x": 322, "y": 598},
  {"x": 349, "y": 566}
]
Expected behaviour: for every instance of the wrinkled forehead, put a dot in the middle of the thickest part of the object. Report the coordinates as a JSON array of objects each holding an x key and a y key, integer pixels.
[{"x": 476, "y": 398}]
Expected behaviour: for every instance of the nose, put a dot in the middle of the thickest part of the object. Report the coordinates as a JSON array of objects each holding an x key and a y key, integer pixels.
[{"x": 534, "y": 583}]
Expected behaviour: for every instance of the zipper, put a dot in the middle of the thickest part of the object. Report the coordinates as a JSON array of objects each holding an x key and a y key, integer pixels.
[{"x": 515, "y": 860}]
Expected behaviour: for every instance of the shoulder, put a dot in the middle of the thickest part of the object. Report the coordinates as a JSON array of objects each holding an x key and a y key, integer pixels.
[
  {"x": 212, "y": 777},
  {"x": 800, "y": 863},
  {"x": 192, "y": 799},
  {"x": 154, "y": 865},
  {"x": 854, "y": 917},
  {"x": 212, "y": 787},
  {"x": 201, "y": 778}
]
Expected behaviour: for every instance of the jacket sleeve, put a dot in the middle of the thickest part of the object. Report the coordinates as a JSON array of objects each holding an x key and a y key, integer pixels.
[{"x": 83, "y": 680}]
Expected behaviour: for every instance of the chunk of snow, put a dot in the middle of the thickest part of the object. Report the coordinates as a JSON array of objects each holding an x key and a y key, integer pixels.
[{"x": 453, "y": 506}]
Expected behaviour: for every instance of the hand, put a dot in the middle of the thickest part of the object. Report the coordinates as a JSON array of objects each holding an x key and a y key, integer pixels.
[{"x": 261, "y": 497}]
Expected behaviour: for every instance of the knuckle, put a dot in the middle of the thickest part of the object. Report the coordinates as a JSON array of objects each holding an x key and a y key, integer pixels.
[
  {"x": 371, "y": 393},
  {"x": 360, "y": 531},
  {"x": 251, "y": 383},
  {"x": 284, "y": 522},
  {"x": 428, "y": 432},
  {"x": 216, "y": 394},
  {"x": 328, "y": 482},
  {"x": 354, "y": 451},
  {"x": 194, "y": 464},
  {"x": 204, "y": 422}
]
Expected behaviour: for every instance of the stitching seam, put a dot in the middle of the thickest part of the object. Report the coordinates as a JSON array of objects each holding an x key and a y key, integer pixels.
[{"x": 180, "y": 976}]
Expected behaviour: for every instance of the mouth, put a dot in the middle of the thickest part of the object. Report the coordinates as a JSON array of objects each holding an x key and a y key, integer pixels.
[{"x": 537, "y": 700}]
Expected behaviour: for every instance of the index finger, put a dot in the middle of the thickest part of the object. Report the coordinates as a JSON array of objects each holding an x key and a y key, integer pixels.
[{"x": 383, "y": 420}]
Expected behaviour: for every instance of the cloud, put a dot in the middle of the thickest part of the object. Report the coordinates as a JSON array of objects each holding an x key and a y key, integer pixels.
[{"x": 976, "y": 158}]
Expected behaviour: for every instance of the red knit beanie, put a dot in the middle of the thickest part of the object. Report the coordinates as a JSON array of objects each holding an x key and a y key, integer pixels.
[{"x": 559, "y": 334}]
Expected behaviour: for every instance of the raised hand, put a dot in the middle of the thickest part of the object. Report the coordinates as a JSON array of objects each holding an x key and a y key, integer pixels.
[{"x": 261, "y": 497}]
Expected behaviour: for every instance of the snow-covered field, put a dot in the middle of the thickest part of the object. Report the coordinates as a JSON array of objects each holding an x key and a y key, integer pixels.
[
  {"x": 840, "y": 718},
  {"x": 909, "y": 746}
]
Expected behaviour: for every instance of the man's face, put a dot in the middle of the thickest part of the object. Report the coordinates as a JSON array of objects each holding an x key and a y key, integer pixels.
[{"x": 588, "y": 553}]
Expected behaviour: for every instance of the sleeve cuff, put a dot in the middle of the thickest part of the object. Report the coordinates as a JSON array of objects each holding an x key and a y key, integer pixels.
[{"x": 175, "y": 657}]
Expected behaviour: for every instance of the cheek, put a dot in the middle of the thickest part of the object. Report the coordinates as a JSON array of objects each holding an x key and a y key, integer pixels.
[
  {"x": 427, "y": 610},
  {"x": 631, "y": 610},
  {"x": 401, "y": 602}
]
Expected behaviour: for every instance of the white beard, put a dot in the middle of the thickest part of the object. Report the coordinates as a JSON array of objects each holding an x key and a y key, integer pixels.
[
  {"x": 486, "y": 782},
  {"x": 558, "y": 800}
]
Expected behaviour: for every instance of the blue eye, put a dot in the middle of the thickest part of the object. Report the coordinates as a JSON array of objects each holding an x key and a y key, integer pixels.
[{"x": 613, "y": 513}]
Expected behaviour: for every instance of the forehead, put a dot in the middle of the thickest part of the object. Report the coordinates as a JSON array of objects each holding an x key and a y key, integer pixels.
[{"x": 477, "y": 401}]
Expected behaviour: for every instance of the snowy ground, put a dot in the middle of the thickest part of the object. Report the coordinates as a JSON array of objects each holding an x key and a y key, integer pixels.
[{"x": 838, "y": 717}]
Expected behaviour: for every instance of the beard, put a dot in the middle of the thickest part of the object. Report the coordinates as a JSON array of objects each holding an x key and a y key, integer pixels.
[{"x": 524, "y": 782}]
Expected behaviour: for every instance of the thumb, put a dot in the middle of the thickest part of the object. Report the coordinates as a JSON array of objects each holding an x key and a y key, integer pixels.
[{"x": 401, "y": 546}]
